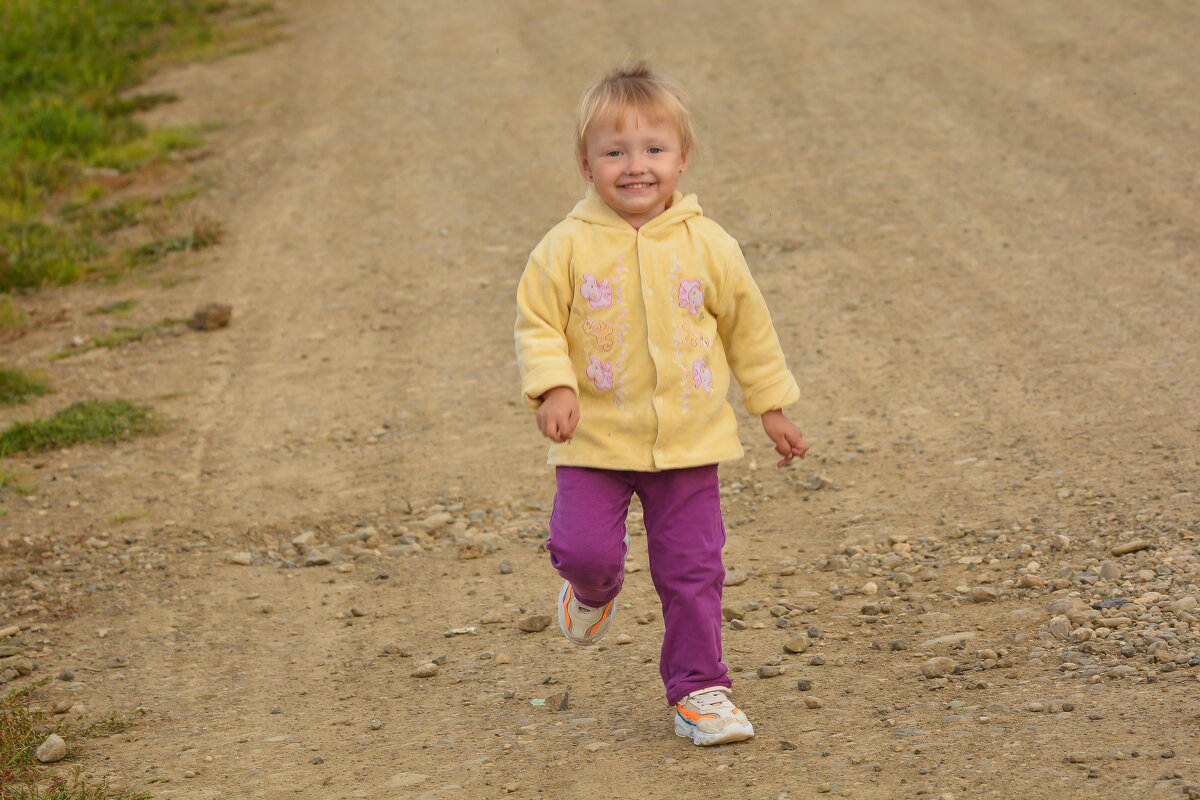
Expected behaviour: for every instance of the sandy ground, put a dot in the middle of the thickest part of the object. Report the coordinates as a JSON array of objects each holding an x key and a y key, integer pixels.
[{"x": 976, "y": 225}]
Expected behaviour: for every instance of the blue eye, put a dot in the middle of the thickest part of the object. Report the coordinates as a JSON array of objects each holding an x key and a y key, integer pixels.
[
  {"x": 613, "y": 153},
  {"x": 655, "y": 150}
]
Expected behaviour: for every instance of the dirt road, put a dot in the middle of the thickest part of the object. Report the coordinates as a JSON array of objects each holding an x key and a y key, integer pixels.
[{"x": 977, "y": 227}]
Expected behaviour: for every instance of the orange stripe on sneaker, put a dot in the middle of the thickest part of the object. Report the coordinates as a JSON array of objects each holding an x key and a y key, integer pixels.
[
  {"x": 567, "y": 605},
  {"x": 692, "y": 716},
  {"x": 607, "y": 611}
]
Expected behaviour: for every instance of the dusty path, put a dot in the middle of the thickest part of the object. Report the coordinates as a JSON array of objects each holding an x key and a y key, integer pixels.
[{"x": 977, "y": 228}]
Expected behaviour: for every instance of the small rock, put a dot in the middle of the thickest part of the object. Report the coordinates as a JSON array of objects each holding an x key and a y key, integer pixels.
[
  {"x": 355, "y": 611},
  {"x": 624, "y": 638},
  {"x": 735, "y": 577},
  {"x": 210, "y": 317},
  {"x": 472, "y": 550},
  {"x": 770, "y": 672},
  {"x": 814, "y": 702},
  {"x": 1130, "y": 547},
  {"x": 1060, "y": 627},
  {"x": 796, "y": 645},
  {"x": 51, "y": 750},
  {"x": 559, "y": 702},
  {"x": 65, "y": 674},
  {"x": 534, "y": 623},
  {"x": 1110, "y": 571},
  {"x": 1079, "y": 757},
  {"x": 824, "y": 788},
  {"x": 786, "y": 745},
  {"x": 897, "y": 644},
  {"x": 376, "y": 724},
  {"x": 317, "y": 558},
  {"x": 1184, "y": 604},
  {"x": 427, "y": 670},
  {"x": 242, "y": 558},
  {"x": 505, "y": 568},
  {"x": 63, "y": 706},
  {"x": 983, "y": 594},
  {"x": 938, "y": 666},
  {"x": 804, "y": 684}
]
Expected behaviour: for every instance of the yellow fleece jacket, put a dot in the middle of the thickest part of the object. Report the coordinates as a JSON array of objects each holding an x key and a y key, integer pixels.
[{"x": 646, "y": 325}]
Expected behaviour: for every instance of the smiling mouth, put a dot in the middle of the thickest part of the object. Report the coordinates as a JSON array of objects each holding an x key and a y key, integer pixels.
[{"x": 637, "y": 186}]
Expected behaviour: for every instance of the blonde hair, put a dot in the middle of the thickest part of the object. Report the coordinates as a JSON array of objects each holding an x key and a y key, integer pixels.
[{"x": 634, "y": 86}]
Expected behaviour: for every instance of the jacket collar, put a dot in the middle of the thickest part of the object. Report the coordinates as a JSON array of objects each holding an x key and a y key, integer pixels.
[{"x": 594, "y": 210}]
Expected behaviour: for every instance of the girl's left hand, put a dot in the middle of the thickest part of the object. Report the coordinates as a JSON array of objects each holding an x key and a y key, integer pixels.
[{"x": 789, "y": 441}]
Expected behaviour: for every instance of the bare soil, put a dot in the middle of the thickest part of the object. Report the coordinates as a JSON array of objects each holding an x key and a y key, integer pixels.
[{"x": 977, "y": 227}]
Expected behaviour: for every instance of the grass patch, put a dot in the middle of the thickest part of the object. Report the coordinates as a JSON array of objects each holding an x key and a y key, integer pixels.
[
  {"x": 118, "y": 338},
  {"x": 85, "y": 421},
  {"x": 11, "y": 318},
  {"x": 67, "y": 118},
  {"x": 17, "y": 385},
  {"x": 205, "y": 233},
  {"x": 117, "y": 307},
  {"x": 21, "y": 725},
  {"x": 10, "y": 478},
  {"x": 24, "y": 726}
]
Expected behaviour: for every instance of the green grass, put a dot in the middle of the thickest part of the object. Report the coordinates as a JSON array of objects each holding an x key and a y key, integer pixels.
[
  {"x": 67, "y": 125},
  {"x": 11, "y": 317},
  {"x": 19, "y": 736},
  {"x": 85, "y": 421},
  {"x": 24, "y": 726},
  {"x": 16, "y": 385},
  {"x": 10, "y": 478},
  {"x": 117, "y": 308},
  {"x": 118, "y": 338}
]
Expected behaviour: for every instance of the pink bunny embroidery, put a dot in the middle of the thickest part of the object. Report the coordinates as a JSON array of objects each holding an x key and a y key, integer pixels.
[
  {"x": 691, "y": 297},
  {"x": 597, "y": 293},
  {"x": 701, "y": 375},
  {"x": 600, "y": 372}
]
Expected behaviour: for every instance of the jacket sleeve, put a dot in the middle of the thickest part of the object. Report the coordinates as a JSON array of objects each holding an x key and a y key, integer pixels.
[
  {"x": 543, "y": 310},
  {"x": 751, "y": 344}
]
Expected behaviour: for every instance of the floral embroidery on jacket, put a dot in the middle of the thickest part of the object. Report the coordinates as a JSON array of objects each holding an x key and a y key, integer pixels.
[
  {"x": 691, "y": 297},
  {"x": 600, "y": 372},
  {"x": 597, "y": 293},
  {"x": 690, "y": 336},
  {"x": 601, "y": 332},
  {"x": 701, "y": 375}
]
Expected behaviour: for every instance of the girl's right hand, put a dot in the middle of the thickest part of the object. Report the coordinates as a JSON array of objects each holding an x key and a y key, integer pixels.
[{"x": 559, "y": 414}]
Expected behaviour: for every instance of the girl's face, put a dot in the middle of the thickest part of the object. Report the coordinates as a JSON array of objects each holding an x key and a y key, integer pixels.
[{"x": 635, "y": 167}]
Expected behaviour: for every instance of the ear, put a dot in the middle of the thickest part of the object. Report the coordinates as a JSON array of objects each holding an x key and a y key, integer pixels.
[
  {"x": 584, "y": 167},
  {"x": 683, "y": 162}
]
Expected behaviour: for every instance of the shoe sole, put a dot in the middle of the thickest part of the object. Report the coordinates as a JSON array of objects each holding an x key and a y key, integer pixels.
[
  {"x": 563, "y": 623},
  {"x": 732, "y": 733}
]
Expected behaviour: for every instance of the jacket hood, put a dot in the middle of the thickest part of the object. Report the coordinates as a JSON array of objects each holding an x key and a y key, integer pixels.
[{"x": 594, "y": 210}]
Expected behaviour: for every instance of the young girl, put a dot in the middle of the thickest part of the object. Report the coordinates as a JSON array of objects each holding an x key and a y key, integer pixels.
[{"x": 632, "y": 314}]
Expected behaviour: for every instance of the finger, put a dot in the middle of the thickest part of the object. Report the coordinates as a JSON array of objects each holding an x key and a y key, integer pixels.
[{"x": 784, "y": 461}]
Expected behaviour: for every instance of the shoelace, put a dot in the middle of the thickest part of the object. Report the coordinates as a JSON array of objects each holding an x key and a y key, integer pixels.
[{"x": 713, "y": 697}]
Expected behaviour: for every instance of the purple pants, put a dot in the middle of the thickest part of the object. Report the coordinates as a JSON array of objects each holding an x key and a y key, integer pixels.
[{"x": 684, "y": 537}]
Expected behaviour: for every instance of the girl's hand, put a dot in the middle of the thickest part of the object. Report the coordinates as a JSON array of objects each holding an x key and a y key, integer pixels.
[
  {"x": 789, "y": 441},
  {"x": 559, "y": 414}
]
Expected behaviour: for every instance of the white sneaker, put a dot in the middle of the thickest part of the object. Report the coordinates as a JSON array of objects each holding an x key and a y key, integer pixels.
[
  {"x": 582, "y": 624},
  {"x": 708, "y": 717}
]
